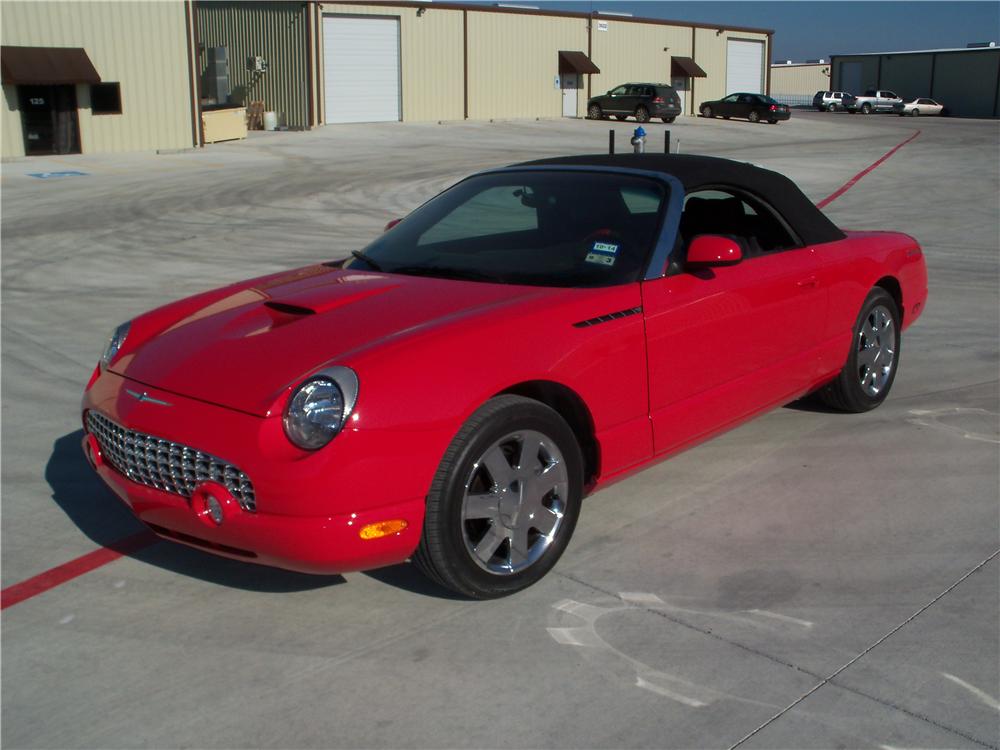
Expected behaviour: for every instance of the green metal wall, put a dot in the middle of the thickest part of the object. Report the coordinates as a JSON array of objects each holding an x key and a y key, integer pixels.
[
  {"x": 966, "y": 81},
  {"x": 275, "y": 31}
]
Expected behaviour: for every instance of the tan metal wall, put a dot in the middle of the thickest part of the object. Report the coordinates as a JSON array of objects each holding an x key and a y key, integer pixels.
[
  {"x": 514, "y": 62},
  {"x": 800, "y": 79},
  {"x": 711, "y": 51},
  {"x": 431, "y": 59},
  {"x": 513, "y": 59},
  {"x": 635, "y": 52},
  {"x": 141, "y": 45},
  {"x": 275, "y": 31}
]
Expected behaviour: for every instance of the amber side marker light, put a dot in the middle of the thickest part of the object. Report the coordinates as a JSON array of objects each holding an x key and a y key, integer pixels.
[{"x": 382, "y": 528}]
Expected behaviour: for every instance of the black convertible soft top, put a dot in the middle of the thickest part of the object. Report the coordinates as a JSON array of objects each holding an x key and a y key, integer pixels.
[{"x": 695, "y": 172}]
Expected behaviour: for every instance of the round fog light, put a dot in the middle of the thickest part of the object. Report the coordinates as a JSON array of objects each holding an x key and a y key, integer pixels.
[{"x": 212, "y": 503}]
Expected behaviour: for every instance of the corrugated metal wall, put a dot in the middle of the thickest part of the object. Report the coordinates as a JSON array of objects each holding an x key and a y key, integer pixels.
[
  {"x": 142, "y": 46},
  {"x": 514, "y": 63},
  {"x": 513, "y": 59},
  {"x": 800, "y": 79},
  {"x": 275, "y": 31},
  {"x": 967, "y": 82},
  {"x": 635, "y": 52},
  {"x": 431, "y": 56},
  {"x": 711, "y": 50}
]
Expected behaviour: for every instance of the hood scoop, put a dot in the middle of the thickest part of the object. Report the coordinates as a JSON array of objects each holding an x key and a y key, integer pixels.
[{"x": 287, "y": 308}]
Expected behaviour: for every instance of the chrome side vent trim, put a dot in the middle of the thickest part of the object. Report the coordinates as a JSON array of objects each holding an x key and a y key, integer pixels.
[{"x": 607, "y": 318}]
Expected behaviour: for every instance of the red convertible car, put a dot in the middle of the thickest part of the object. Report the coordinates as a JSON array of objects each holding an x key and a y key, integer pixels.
[{"x": 450, "y": 393}]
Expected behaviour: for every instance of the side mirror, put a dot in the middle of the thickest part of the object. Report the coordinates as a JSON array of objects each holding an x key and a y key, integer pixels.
[
  {"x": 709, "y": 250},
  {"x": 391, "y": 224}
]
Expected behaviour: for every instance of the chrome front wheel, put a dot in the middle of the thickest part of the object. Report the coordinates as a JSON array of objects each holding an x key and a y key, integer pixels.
[
  {"x": 514, "y": 502},
  {"x": 505, "y": 499}
]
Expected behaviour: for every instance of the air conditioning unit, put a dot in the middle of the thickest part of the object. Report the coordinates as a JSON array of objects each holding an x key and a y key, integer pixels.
[{"x": 257, "y": 64}]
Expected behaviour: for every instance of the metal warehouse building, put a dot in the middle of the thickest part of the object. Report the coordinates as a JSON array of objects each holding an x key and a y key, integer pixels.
[
  {"x": 429, "y": 61},
  {"x": 96, "y": 76},
  {"x": 117, "y": 76},
  {"x": 966, "y": 80},
  {"x": 795, "y": 83}
]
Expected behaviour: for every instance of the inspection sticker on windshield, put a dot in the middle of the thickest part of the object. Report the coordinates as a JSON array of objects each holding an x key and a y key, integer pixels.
[{"x": 604, "y": 253}]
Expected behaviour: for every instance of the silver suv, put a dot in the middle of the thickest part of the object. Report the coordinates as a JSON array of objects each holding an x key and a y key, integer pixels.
[{"x": 831, "y": 101}]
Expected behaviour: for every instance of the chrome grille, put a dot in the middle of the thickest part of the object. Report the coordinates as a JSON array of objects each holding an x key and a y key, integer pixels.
[{"x": 165, "y": 465}]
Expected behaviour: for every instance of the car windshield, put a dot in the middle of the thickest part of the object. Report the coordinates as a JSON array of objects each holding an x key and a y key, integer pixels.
[{"x": 545, "y": 228}]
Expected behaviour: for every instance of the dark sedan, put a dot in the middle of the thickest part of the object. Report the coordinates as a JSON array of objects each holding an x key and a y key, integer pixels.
[{"x": 753, "y": 107}]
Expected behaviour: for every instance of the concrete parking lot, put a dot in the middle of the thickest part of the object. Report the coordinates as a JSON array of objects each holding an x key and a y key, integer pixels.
[{"x": 810, "y": 579}]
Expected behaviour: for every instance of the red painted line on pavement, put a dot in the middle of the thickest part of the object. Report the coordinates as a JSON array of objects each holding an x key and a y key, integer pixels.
[
  {"x": 74, "y": 568},
  {"x": 854, "y": 180}
]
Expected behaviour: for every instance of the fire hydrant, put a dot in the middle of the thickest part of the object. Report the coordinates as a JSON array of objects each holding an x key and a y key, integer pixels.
[{"x": 639, "y": 140}]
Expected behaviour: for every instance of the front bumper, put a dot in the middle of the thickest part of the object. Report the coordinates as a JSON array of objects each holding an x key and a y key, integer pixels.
[{"x": 310, "y": 508}]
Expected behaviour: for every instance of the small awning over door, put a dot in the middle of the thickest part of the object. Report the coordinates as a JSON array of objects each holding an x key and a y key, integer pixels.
[
  {"x": 46, "y": 66},
  {"x": 685, "y": 67},
  {"x": 576, "y": 62}
]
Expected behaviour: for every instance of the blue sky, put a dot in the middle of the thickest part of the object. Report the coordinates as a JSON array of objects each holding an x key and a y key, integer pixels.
[{"x": 809, "y": 30}]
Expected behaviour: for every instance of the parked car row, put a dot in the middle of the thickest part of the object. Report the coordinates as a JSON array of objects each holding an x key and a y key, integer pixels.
[
  {"x": 875, "y": 100},
  {"x": 645, "y": 101}
]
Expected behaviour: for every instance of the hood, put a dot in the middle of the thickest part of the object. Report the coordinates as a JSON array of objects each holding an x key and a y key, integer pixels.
[{"x": 241, "y": 350}]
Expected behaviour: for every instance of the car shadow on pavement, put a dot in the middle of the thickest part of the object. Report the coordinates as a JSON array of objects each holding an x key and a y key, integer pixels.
[
  {"x": 406, "y": 576},
  {"x": 107, "y": 521},
  {"x": 812, "y": 403}
]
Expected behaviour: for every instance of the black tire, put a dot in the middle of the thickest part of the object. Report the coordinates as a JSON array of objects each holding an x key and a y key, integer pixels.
[
  {"x": 669, "y": 120},
  {"x": 753, "y": 117},
  {"x": 832, "y": 108},
  {"x": 444, "y": 554},
  {"x": 866, "y": 108},
  {"x": 846, "y": 392},
  {"x": 914, "y": 112},
  {"x": 641, "y": 114},
  {"x": 594, "y": 112},
  {"x": 706, "y": 112}
]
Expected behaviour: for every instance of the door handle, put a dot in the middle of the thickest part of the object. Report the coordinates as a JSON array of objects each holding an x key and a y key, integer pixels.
[{"x": 811, "y": 282}]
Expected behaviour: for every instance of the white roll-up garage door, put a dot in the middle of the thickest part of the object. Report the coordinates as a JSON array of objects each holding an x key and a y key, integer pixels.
[
  {"x": 361, "y": 69},
  {"x": 745, "y": 67}
]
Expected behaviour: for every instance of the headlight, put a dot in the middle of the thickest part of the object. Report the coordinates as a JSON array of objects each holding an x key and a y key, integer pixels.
[
  {"x": 316, "y": 411},
  {"x": 115, "y": 343}
]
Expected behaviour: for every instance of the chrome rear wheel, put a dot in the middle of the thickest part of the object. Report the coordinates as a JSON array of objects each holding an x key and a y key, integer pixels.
[{"x": 876, "y": 353}]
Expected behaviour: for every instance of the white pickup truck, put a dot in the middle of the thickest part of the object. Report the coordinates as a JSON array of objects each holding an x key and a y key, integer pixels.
[{"x": 876, "y": 100}]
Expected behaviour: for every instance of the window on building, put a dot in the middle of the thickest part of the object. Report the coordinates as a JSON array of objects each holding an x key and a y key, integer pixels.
[{"x": 106, "y": 98}]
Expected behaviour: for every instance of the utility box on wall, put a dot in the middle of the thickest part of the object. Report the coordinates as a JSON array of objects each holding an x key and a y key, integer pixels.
[{"x": 217, "y": 75}]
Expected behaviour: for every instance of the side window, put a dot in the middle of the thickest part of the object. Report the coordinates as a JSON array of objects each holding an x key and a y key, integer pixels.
[
  {"x": 641, "y": 201},
  {"x": 497, "y": 210},
  {"x": 619, "y": 91},
  {"x": 735, "y": 215},
  {"x": 731, "y": 98}
]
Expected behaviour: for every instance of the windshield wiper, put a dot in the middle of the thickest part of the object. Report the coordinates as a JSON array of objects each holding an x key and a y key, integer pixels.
[
  {"x": 367, "y": 259},
  {"x": 444, "y": 272}
]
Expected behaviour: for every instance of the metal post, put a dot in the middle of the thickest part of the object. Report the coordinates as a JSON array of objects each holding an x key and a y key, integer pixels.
[
  {"x": 611, "y": 141},
  {"x": 666, "y": 141}
]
